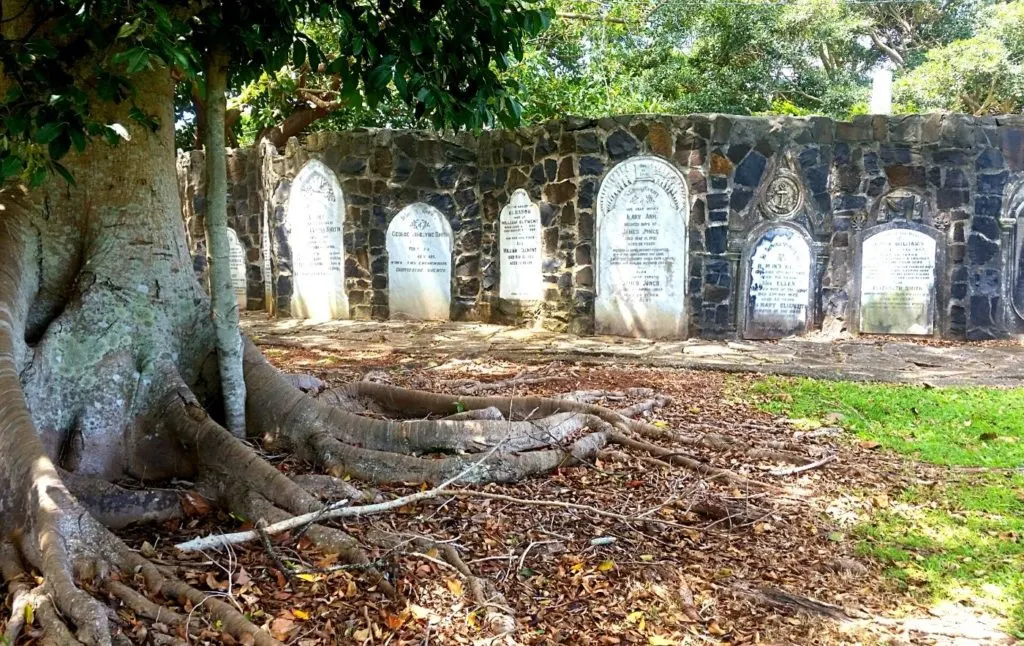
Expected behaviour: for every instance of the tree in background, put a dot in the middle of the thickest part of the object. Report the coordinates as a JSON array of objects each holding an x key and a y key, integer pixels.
[
  {"x": 610, "y": 57},
  {"x": 980, "y": 74}
]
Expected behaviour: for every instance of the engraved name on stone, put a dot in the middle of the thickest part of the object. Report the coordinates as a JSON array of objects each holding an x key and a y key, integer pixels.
[
  {"x": 268, "y": 278},
  {"x": 642, "y": 216},
  {"x": 316, "y": 224},
  {"x": 419, "y": 243},
  {"x": 897, "y": 283},
  {"x": 239, "y": 265},
  {"x": 521, "y": 262},
  {"x": 779, "y": 285}
]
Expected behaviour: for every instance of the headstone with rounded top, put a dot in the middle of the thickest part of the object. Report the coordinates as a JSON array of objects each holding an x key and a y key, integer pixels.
[
  {"x": 315, "y": 225},
  {"x": 642, "y": 215},
  {"x": 419, "y": 244},
  {"x": 521, "y": 260}
]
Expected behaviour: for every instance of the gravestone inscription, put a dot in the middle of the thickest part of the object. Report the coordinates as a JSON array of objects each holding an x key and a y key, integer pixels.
[
  {"x": 519, "y": 223},
  {"x": 315, "y": 224},
  {"x": 779, "y": 270},
  {"x": 642, "y": 214},
  {"x": 419, "y": 243},
  {"x": 268, "y": 277},
  {"x": 239, "y": 266},
  {"x": 897, "y": 282}
]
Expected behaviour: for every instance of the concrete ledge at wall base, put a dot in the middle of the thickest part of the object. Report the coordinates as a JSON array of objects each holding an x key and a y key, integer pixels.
[{"x": 638, "y": 217}]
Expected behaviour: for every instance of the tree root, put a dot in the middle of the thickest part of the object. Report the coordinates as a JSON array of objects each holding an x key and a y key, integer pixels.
[
  {"x": 329, "y": 488},
  {"x": 116, "y": 507},
  {"x": 482, "y": 414},
  {"x": 242, "y": 481},
  {"x": 143, "y": 607},
  {"x": 679, "y": 459}
]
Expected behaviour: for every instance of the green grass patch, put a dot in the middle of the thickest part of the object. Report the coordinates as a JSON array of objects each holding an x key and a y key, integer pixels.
[
  {"x": 946, "y": 426},
  {"x": 962, "y": 539}
]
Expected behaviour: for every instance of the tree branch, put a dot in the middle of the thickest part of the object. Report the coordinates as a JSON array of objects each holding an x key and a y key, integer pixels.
[
  {"x": 586, "y": 18},
  {"x": 893, "y": 55}
]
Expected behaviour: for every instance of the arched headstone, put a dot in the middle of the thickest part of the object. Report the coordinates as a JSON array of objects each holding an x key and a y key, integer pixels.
[
  {"x": 419, "y": 243},
  {"x": 239, "y": 266},
  {"x": 896, "y": 267},
  {"x": 642, "y": 215},
  {"x": 315, "y": 224},
  {"x": 519, "y": 223},
  {"x": 778, "y": 281}
]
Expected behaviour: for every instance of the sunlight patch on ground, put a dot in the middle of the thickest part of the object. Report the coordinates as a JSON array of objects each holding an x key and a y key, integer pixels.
[{"x": 955, "y": 540}]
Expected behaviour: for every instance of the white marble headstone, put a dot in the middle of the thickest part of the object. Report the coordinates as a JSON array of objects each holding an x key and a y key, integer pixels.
[
  {"x": 268, "y": 276},
  {"x": 419, "y": 243},
  {"x": 315, "y": 224},
  {"x": 239, "y": 264},
  {"x": 642, "y": 215},
  {"x": 897, "y": 283},
  {"x": 521, "y": 259},
  {"x": 779, "y": 268}
]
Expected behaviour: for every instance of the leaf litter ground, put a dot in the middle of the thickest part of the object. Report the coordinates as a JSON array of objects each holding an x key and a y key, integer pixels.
[{"x": 568, "y": 576}]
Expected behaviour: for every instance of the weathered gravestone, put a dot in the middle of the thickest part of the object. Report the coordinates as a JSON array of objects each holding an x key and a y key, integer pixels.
[
  {"x": 419, "y": 243},
  {"x": 642, "y": 215},
  {"x": 778, "y": 281},
  {"x": 519, "y": 223},
  {"x": 268, "y": 277},
  {"x": 1012, "y": 238},
  {"x": 239, "y": 266},
  {"x": 315, "y": 224},
  {"x": 896, "y": 265}
]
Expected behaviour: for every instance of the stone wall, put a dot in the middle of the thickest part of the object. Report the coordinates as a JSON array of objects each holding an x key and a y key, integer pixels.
[{"x": 956, "y": 178}]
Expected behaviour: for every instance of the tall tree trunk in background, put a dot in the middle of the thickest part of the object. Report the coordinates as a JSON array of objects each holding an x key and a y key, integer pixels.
[{"x": 225, "y": 305}]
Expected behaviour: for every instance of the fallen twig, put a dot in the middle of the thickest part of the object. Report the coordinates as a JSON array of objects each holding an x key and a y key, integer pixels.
[
  {"x": 788, "y": 471},
  {"x": 219, "y": 541}
]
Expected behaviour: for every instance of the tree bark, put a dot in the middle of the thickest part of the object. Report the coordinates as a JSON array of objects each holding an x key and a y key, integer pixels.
[{"x": 225, "y": 305}]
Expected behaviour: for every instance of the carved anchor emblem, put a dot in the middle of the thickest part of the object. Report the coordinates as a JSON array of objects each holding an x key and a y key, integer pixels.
[{"x": 782, "y": 196}]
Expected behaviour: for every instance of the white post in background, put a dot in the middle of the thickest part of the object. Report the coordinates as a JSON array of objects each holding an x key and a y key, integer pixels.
[{"x": 881, "y": 92}]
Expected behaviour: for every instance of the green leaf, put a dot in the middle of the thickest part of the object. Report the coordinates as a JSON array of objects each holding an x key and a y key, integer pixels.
[
  {"x": 59, "y": 146},
  {"x": 298, "y": 53},
  {"x": 10, "y": 167},
  {"x": 134, "y": 60},
  {"x": 129, "y": 28},
  {"x": 77, "y": 139},
  {"x": 48, "y": 132},
  {"x": 64, "y": 172},
  {"x": 380, "y": 76}
]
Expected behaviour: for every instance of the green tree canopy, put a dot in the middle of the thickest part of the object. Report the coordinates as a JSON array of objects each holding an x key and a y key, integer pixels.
[
  {"x": 603, "y": 57},
  {"x": 442, "y": 58}
]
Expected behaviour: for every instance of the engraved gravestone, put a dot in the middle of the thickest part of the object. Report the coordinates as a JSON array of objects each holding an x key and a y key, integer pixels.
[
  {"x": 419, "y": 242},
  {"x": 239, "y": 266},
  {"x": 897, "y": 282},
  {"x": 642, "y": 214},
  {"x": 519, "y": 224},
  {"x": 779, "y": 271},
  {"x": 268, "y": 285},
  {"x": 315, "y": 224}
]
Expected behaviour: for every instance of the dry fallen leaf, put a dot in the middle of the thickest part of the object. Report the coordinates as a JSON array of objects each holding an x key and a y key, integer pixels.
[
  {"x": 455, "y": 586},
  {"x": 281, "y": 627}
]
